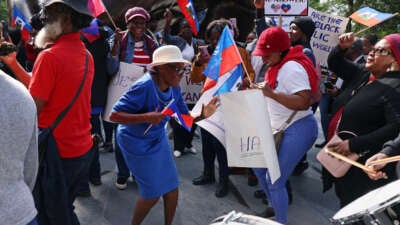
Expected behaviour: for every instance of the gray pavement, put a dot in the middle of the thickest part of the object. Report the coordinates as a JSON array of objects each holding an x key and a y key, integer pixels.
[{"x": 197, "y": 204}]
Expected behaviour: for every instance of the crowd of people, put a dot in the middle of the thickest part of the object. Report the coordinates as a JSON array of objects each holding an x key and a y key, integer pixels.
[{"x": 64, "y": 77}]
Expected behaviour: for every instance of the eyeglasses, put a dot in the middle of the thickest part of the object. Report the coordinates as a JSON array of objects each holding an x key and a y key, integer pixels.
[
  {"x": 177, "y": 69},
  {"x": 380, "y": 51}
]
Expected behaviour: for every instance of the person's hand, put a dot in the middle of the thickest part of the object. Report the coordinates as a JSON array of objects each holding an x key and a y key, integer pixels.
[
  {"x": 209, "y": 109},
  {"x": 168, "y": 16},
  {"x": 10, "y": 58},
  {"x": 154, "y": 117},
  {"x": 379, "y": 174},
  {"x": 341, "y": 147},
  {"x": 201, "y": 59},
  {"x": 118, "y": 35},
  {"x": 267, "y": 91},
  {"x": 259, "y": 4},
  {"x": 346, "y": 40},
  {"x": 333, "y": 92}
]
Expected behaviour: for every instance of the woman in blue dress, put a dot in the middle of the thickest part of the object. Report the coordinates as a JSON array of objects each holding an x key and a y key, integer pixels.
[{"x": 148, "y": 154}]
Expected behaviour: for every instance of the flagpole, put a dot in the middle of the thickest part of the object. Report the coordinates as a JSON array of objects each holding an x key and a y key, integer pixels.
[
  {"x": 165, "y": 108},
  {"x": 109, "y": 15},
  {"x": 360, "y": 31}
]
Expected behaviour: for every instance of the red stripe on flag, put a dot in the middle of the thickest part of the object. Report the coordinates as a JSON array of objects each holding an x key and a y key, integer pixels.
[
  {"x": 168, "y": 112},
  {"x": 230, "y": 58},
  {"x": 187, "y": 119},
  {"x": 370, "y": 22},
  {"x": 209, "y": 83}
]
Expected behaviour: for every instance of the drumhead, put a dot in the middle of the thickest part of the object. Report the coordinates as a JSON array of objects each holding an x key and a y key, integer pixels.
[
  {"x": 370, "y": 201},
  {"x": 244, "y": 219}
]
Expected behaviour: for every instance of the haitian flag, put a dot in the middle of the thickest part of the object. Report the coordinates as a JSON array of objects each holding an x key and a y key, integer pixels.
[
  {"x": 19, "y": 18},
  {"x": 96, "y": 7},
  {"x": 91, "y": 33},
  {"x": 370, "y": 17},
  {"x": 224, "y": 70},
  {"x": 172, "y": 110},
  {"x": 188, "y": 11}
]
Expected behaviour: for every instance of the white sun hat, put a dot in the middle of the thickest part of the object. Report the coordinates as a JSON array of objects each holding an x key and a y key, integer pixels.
[{"x": 167, "y": 54}]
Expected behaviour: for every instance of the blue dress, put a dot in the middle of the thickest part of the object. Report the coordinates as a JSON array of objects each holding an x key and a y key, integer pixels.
[{"x": 148, "y": 157}]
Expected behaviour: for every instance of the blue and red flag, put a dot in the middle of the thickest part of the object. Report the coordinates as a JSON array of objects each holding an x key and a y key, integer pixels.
[
  {"x": 18, "y": 18},
  {"x": 224, "y": 70},
  {"x": 91, "y": 33},
  {"x": 370, "y": 17},
  {"x": 96, "y": 7},
  {"x": 188, "y": 11},
  {"x": 172, "y": 110}
]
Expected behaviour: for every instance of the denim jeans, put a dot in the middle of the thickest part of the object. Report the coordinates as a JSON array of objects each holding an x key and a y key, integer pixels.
[
  {"x": 297, "y": 140},
  {"x": 123, "y": 170},
  {"x": 33, "y": 222}
]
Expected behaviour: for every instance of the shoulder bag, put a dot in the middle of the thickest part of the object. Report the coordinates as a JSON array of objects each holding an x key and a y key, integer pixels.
[{"x": 278, "y": 134}]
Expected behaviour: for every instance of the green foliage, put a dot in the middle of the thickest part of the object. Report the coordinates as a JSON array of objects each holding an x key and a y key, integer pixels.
[
  {"x": 347, "y": 7},
  {"x": 3, "y": 10}
]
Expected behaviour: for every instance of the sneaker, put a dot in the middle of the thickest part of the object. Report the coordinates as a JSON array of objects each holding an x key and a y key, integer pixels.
[
  {"x": 121, "y": 183},
  {"x": 191, "y": 150},
  {"x": 177, "y": 153},
  {"x": 269, "y": 212}
]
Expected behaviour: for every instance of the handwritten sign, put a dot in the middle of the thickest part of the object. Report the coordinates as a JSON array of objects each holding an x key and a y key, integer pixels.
[
  {"x": 120, "y": 83},
  {"x": 248, "y": 132},
  {"x": 190, "y": 91},
  {"x": 327, "y": 30},
  {"x": 286, "y": 7}
]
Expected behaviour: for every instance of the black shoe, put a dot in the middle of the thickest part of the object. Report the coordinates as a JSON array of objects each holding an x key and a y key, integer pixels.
[
  {"x": 222, "y": 188},
  {"x": 203, "y": 179},
  {"x": 121, "y": 183},
  {"x": 96, "y": 182},
  {"x": 252, "y": 180},
  {"x": 269, "y": 212},
  {"x": 320, "y": 145},
  {"x": 259, "y": 194},
  {"x": 300, "y": 168}
]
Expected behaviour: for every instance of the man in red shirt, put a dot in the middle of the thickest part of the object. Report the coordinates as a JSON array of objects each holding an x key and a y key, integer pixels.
[{"x": 57, "y": 74}]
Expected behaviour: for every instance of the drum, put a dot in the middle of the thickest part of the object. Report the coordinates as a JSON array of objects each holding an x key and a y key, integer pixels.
[
  {"x": 378, "y": 207},
  {"x": 234, "y": 218}
]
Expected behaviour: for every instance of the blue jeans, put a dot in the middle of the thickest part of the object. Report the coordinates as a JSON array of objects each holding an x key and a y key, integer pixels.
[
  {"x": 297, "y": 140},
  {"x": 123, "y": 170},
  {"x": 33, "y": 222}
]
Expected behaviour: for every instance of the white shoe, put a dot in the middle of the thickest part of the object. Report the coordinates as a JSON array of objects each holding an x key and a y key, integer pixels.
[
  {"x": 177, "y": 153},
  {"x": 191, "y": 150}
]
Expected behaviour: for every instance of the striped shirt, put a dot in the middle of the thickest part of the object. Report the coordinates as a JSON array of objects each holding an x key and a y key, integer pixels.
[{"x": 140, "y": 57}]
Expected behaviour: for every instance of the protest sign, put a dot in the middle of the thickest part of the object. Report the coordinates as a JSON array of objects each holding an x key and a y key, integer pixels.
[
  {"x": 327, "y": 30},
  {"x": 286, "y": 7},
  {"x": 248, "y": 132},
  {"x": 120, "y": 83},
  {"x": 190, "y": 91}
]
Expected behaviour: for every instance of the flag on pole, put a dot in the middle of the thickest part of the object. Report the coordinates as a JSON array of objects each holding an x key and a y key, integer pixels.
[
  {"x": 19, "y": 19},
  {"x": 188, "y": 11},
  {"x": 96, "y": 7},
  {"x": 91, "y": 33},
  {"x": 370, "y": 17},
  {"x": 224, "y": 70},
  {"x": 172, "y": 110}
]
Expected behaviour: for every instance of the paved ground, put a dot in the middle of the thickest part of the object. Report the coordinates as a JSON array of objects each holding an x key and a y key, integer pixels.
[{"x": 197, "y": 204}]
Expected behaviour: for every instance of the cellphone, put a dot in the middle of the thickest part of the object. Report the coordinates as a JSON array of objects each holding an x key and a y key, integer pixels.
[
  {"x": 329, "y": 85},
  {"x": 204, "y": 51}
]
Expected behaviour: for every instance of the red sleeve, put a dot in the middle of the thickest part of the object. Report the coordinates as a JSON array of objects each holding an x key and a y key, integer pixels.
[{"x": 43, "y": 76}]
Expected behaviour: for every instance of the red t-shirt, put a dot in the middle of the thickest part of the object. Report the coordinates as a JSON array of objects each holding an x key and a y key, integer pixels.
[{"x": 56, "y": 76}]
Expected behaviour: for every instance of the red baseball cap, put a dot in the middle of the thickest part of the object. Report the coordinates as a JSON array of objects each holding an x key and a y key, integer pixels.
[
  {"x": 273, "y": 39},
  {"x": 136, "y": 11}
]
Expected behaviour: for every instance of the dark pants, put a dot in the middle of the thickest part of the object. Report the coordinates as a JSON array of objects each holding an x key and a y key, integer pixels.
[
  {"x": 75, "y": 170},
  {"x": 108, "y": 131},
  {"x": 213, "y": 148},
  {"x": 182, "y": 138}
]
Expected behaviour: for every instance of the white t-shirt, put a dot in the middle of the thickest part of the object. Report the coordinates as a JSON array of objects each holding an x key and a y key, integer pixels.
[
  {"x": 188, "y": 52},
  {"x": 292, "y": 78}
]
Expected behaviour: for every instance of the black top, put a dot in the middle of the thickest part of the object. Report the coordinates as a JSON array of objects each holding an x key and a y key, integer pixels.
[
  {"x": 373, "y": 113},
  {"x": 354, "y": 76}
]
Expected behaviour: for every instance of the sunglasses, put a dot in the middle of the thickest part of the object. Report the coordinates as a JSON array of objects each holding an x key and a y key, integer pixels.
[
  {"x": 179, "y": 70},
  {"x": 380, "y": 51}
]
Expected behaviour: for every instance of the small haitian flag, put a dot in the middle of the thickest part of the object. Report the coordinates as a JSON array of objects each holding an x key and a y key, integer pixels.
[
  {"x": 370, "y": 17},
  {"x": 188, "y": 11},
  {"x": 172, "y": 110},
  {"x": 19, "y": 18}
]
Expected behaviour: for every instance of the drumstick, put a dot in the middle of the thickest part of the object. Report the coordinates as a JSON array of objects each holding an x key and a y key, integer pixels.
[
  {"x": 352, "y": 162},
  {"x": 385, "y": 160}
]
